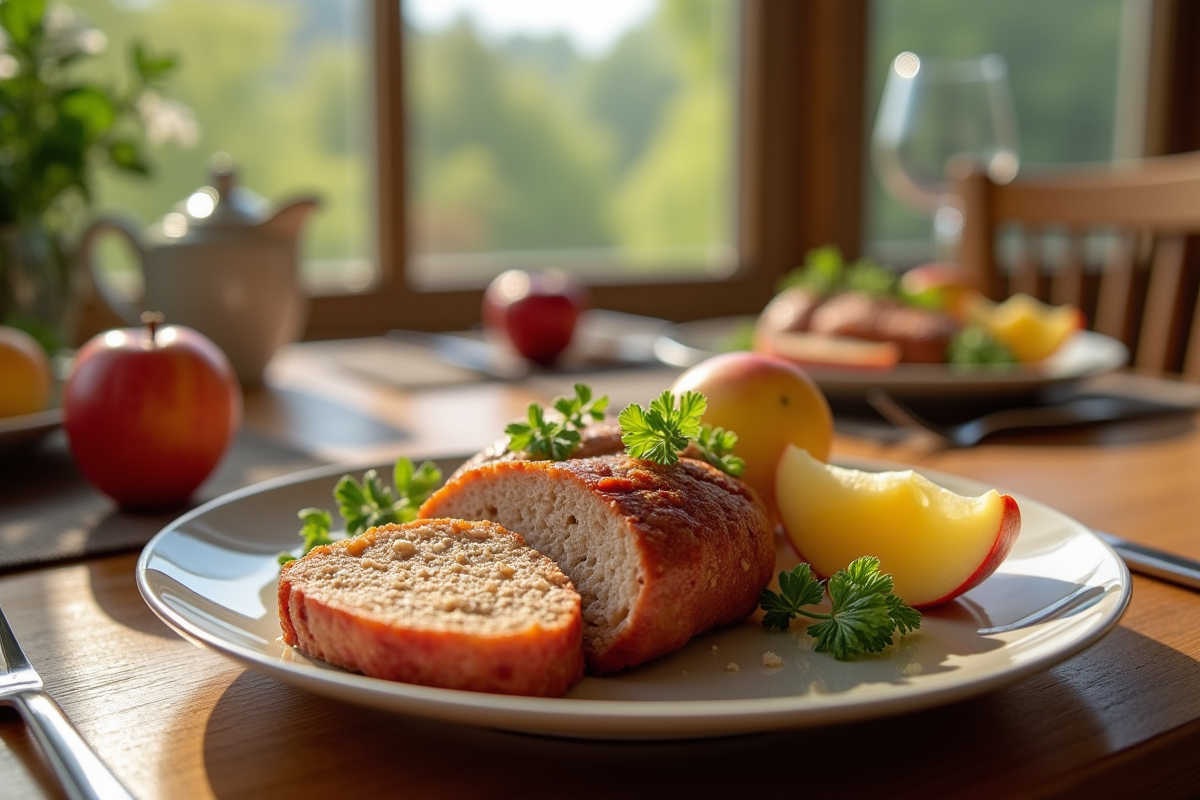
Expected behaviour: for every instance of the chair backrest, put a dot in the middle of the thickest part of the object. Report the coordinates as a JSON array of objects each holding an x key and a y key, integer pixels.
[{"x": 1110, "y": 239}]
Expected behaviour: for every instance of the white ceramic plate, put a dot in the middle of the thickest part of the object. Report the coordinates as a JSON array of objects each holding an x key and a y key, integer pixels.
[
  {"x": 211, "y": 575},
  {"x": 1085, "y": 355}
]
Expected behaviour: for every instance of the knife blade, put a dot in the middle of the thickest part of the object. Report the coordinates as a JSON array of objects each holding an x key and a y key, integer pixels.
[{"x": 1154, "y": 562}]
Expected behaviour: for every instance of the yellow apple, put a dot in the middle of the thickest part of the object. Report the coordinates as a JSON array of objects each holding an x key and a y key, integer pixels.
[
  {"x": 936, "y": 543},
  {"x": 25, "y": 377},
  {"x": 769, "y": 403}
]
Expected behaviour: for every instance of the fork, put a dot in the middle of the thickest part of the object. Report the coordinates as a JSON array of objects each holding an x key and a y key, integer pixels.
[
  {"x": 1077, "y": 411},
  {"x": 83, "y": 775}
]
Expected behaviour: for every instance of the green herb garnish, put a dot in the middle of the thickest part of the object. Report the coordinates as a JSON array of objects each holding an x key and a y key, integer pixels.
[
  {"x": 581, "y": 409},
  {"x": 869, "y": 277},
  {"x": 315, "y": 531},
  {"x": 821, "y": 273},
  {"x": 715, "y": 446},
  {"x": 543, "y": 437},
  {"x": 660, "y": 432},
  {"x": 863, "y": 615},
  {"x": 370, "y": 503},
  {"x": 973, "y": 346},
  {"x": 826, "y": 272},
  {"x": 663, "y": 431},
  {"x": 540, "y": 437}
]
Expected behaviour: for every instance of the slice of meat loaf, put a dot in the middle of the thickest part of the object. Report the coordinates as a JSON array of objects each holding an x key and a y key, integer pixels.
[
  {"x": 439, "y": 602},
  {"x": 659, "y": 553}
]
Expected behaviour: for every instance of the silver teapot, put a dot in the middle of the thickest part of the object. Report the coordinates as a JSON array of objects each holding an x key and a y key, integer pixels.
[{"x": 222, "y": 262}]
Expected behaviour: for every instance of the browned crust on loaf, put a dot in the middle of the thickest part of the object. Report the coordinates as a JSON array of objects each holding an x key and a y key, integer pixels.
[
  {"x": 705, "y": 545},
  {"x": 597, "y": 439},
  {"x": 430, "y": 645}
]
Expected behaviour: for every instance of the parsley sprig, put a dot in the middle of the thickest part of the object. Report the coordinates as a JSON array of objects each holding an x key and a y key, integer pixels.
[
  {"x": 582, "y": 408},
  {"x": 664, "y": 430},
  {"x": 863, "y": 615},
  {"x": 825, "y": 272},
  {"x": 715, "y": 446},
  {"x": 369, "y": 503},
  {"x": 974, "y": 346},
  {"x": 660, "y": 432},
  {"x": 555, "y": 438}
]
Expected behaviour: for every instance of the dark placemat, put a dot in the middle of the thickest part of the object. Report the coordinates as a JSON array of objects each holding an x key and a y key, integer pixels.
[{"x": 49, "y": 513}]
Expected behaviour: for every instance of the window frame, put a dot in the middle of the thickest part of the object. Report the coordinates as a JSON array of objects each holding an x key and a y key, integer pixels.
[{"x": 799, "y": 156}]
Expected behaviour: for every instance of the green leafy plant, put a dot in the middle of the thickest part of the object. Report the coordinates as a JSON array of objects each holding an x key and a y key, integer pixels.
[
  {"x": 555, "y": 438},
  {"x": 58, "y": 126},
  {"x": 369, "y": 503},
  {"x": 864, "y": 614}
]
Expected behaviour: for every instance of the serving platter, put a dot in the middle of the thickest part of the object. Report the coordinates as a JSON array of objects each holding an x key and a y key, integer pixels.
[
  {"x": 211, "y": 575},
  {"x": 1087, "y": 354}
]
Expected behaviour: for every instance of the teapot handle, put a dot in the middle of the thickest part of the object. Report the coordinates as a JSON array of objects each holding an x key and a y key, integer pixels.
[{"x": 130, "y": 311}]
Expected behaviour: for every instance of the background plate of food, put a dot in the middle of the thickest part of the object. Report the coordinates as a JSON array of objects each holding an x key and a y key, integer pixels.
[
  {"x": 1086, "y": 354},
  {"x": 212, "y": 575},
  {"x": 920, "y": 335}
]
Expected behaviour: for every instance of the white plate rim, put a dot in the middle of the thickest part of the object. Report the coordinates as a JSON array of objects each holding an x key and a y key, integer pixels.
[{"x": 628, "y": 719}]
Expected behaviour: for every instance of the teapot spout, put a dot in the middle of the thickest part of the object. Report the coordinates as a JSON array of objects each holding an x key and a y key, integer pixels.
[{"x": 288, "y": 220}]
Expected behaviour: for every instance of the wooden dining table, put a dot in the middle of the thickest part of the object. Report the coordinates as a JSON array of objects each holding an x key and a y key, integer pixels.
[{"x": 177, "y": 720}]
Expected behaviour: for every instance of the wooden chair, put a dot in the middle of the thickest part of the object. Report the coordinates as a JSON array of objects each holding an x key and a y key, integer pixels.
[{"x": 1112, "y": 239}]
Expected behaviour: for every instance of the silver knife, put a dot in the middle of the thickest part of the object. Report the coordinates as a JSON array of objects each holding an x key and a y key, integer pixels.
[{"x": 1155, "y": 563}]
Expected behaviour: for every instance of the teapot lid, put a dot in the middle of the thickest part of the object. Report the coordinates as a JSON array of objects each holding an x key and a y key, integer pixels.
[{"x": 222, "y": 205}]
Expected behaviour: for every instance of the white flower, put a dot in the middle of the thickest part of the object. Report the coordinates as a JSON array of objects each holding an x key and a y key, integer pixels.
[
  {"x": 168, "y": 120},
  {"x": 68, "y": 33}
]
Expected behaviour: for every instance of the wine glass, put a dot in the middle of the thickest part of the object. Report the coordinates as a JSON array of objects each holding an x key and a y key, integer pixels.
[{"x": 935, "y": 110}]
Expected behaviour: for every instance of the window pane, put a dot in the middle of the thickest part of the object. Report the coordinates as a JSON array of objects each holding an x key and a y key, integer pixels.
[
  {"x": 283, "y": 88},
  {"x": 593, "y": 136},
  {"x": 1062, "y": 65}
]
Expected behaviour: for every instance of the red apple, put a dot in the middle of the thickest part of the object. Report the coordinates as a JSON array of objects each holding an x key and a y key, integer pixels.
[
  {"x": 149, "y": 412},
  {"x": 535, "y": 311},
  {"x": 936, "y": 543}
]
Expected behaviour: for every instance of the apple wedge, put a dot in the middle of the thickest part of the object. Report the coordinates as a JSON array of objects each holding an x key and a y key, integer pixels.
[
  {"x": 1031, "y": 329},
  {"x": 935, "y": 543}
]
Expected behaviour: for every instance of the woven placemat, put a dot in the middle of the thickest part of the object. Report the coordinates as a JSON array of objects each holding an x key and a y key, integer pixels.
[{"x": 49, "y": 513}]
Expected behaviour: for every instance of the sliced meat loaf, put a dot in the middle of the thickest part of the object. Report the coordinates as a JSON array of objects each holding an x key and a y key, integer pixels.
[
  {"x": 439, "y": 602},
  {"x": 659, "y": 553}
]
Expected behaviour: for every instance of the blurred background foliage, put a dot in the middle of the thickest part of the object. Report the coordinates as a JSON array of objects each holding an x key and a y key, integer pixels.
[
  {"x": 529, "y": 143},
  {"x": 526, "y": 143}
]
